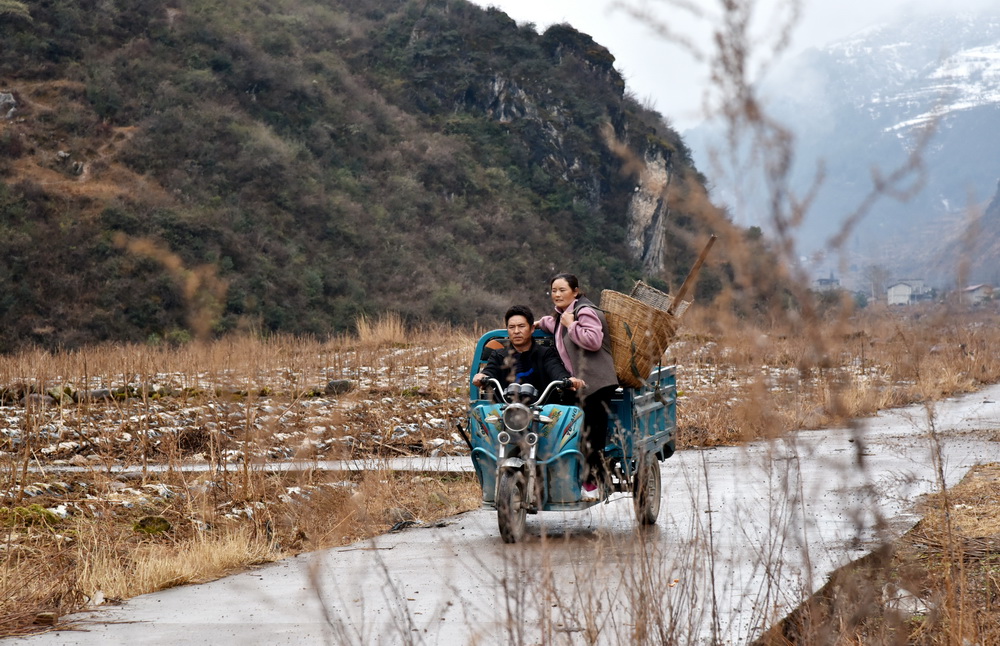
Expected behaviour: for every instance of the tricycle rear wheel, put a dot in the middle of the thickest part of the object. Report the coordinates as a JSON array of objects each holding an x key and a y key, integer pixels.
[
  {"x": 646, "y": 490},
  {"x": 511, "y": 510}
]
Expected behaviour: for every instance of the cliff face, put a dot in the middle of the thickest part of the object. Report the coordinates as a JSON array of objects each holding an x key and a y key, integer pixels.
[
  {"x": 288, "y": 166},
  {"x": 624, "y": 163},
  {"x": 647, "y": 213}
]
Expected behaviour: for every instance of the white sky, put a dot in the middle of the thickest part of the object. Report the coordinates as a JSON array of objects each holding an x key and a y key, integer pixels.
[{"x": 667, "y": 75}]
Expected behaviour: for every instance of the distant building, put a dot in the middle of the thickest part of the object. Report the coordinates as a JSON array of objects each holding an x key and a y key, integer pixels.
[
  {"x": 826, "y": 284},
  {"x": 907, "y": 291},
  {"x": 976, "y": 294},
  {"x": 899, "y": 294}
]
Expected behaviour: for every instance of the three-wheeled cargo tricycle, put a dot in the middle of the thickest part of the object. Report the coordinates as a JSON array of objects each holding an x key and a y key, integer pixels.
[{"x": 527, "y": 454}]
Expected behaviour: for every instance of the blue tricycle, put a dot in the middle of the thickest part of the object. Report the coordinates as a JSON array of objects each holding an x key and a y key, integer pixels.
[{"x": 527, "y": 455}]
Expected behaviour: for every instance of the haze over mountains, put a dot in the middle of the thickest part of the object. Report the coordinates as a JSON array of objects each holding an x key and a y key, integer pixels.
[{"x": 868, "y": 102}]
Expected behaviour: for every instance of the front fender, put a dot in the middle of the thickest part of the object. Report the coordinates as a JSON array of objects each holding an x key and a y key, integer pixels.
[{"x": 511, "y": 463}]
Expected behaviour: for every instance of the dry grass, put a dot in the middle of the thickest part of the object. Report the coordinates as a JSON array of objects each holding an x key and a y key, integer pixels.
[
  {"x": 124, "y": 570},
  {"x": 243, "y": 397},
  {"x": 227, "y": 403},
  {"x": 388, "y": 331},
  {"x": 744, "y": 382}
]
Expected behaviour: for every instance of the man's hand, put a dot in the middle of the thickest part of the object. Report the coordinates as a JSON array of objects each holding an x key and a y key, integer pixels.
[{"x": 478, "y": 379}]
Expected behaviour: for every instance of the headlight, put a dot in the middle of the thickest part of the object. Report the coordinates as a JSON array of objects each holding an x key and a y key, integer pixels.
[{"x": 517, "y": 417}]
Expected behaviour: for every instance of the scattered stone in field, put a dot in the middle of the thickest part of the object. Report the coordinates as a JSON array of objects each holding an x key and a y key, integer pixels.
[
  {"x": 159, "y": 490},
  {"x": 38, "y": 399},
  {"x": 245, "y": 512},
  {"x": 404, "y": 524},
  {"x": 152, "y": 525},
  {"x": 440, "y": 499},
  {"x": 62, "y": 511},
  {"x": 232, "y": 455},
  {"x": 404, "y": 430},
  {"x": 59, "y": 488},
  {"x": 339, "y": 386},
  {"x": 399, "y": 515},
  {"x": 292, "y": 494},
  {"x": 60, "y": 394},
  {"x": 97, "y": 394}
]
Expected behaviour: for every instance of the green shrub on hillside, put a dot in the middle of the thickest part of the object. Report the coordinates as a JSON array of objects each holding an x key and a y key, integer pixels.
[{"x": 320, "y": 161}]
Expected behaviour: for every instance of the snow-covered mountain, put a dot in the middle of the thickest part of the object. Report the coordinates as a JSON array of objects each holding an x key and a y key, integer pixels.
[{"x": 859, "y": 107}]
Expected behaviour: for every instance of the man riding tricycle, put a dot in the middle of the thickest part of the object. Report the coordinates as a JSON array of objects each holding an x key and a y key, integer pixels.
[{"x": 526, "y": 441}]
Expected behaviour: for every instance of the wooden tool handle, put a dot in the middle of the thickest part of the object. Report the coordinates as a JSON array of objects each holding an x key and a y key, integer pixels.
[{"x": 692, "y": 276}]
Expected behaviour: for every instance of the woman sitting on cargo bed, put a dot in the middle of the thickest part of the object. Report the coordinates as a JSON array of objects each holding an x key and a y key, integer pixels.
[{"x": 584, "y": 344}]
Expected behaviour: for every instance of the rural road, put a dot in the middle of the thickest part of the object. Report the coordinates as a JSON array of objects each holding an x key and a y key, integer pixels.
[{"x": 743, "y": 534}]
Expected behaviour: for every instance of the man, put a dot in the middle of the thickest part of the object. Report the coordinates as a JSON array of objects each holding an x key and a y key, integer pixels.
[{"x": 524, "y": 361}]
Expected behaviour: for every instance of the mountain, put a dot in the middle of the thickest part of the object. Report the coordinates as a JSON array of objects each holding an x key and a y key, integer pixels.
[
  {"x": 974, "y": 256},
  {"x": 927, "y": 85},
  {"x": 191, "y": 168}
]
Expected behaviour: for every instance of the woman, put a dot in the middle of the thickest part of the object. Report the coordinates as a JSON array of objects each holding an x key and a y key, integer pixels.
[{"x": 584, "y": 344}]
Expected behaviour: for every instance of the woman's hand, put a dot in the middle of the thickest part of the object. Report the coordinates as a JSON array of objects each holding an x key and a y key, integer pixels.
[
  {"x": 578, "y": 384},
  {"x": 567, "y": 318}
]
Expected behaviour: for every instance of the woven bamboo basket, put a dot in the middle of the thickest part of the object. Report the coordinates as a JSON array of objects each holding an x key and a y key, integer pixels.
[
  {"x": 640, "y": 331},
  {"x": 652, "y": 296}
]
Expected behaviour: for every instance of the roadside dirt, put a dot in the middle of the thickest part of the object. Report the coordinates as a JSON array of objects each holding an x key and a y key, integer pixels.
[{"x": 920, "y": 589}]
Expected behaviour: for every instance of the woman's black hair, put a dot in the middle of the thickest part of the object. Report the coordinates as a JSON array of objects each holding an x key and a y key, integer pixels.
[
  {"x": 519, "y": 310},
  {"x": 570, "y": 279}
]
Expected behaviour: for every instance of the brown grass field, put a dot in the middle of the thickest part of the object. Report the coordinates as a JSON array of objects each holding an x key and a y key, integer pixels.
[{"x": 74, "y": 539}]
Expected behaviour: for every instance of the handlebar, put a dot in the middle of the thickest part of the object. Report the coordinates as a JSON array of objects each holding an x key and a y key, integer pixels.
[{"x": 559, "y": 384}]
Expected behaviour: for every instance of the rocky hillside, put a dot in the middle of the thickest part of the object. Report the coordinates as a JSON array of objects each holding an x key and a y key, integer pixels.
[
  {"x": 194, "y": 168},
  {"x": 973, "y": 256}
]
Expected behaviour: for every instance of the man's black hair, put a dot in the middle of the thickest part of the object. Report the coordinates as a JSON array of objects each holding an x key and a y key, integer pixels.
[{"x": 519, "y": 310}]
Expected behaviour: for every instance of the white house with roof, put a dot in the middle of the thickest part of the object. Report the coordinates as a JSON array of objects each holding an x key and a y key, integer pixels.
[
  {"x": 976, "y": 294},
  {"x": 906, "y": 291}
]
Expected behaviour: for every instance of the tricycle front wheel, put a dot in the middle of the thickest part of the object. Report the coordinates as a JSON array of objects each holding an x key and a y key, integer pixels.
[
  {"x": 646, "y": 490},
  {"x": 511, "y": 510}
]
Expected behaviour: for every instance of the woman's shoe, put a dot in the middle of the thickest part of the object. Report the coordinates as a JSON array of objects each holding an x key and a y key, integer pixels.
[{"x": 590, "y": 491}]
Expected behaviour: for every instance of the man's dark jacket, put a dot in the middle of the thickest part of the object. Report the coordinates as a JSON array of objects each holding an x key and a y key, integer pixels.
[{"x": 538, "y": 365}]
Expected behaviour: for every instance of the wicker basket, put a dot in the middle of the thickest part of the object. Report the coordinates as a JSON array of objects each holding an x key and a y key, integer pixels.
[
  {"x": 652, "y": 296},
  {"x": 640, "y": 332}
]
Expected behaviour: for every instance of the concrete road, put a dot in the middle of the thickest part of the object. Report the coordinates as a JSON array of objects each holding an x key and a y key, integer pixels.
[{"x": 744, "y": 534}]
